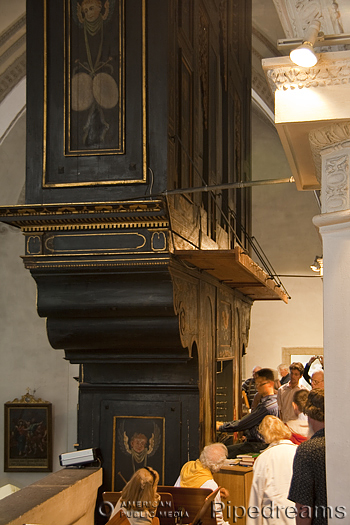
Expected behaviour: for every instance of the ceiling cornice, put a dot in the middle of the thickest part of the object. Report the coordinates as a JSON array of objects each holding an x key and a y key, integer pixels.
[{"x": 295, "y": 16}]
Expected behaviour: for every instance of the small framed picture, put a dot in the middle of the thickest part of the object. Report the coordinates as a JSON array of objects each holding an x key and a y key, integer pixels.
[{"x": 28, "y": 435}]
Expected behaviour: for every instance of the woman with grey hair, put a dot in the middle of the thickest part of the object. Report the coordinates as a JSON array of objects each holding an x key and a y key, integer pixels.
[
  {"x": 199, "y": 474},
  {"x": 213, "y": 456}
]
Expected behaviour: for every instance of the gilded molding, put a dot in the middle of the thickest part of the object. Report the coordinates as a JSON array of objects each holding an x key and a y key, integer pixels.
[
  {"x": 46, "y": 227},
  {"x": 35, "y": 263},
  {"x": 83, "y": 207},
  {"x": 123, "y": 215},
  {"x": 34, "y": 244},
  {"x": 329, "y": 71},
  {"x": 28, "y": 398}
]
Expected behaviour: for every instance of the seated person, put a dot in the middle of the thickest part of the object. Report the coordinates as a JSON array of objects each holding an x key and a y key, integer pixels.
[
  {"x": 142, "y": 487},
  {"x": 273, "y": 471},
  {"x": 199, "y": 474},
  {"x": 300, "y": 426},
  {"x": 249, "y": 424},
  {"x": 257, "y": 396}
]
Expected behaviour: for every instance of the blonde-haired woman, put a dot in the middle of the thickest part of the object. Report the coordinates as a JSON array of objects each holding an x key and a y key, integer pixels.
[
  {"x": 273, "y": 471},
  {"x": 139, "y": 499}
]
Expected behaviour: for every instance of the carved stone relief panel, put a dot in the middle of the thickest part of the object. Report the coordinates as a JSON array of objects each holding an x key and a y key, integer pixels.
[
  {"x": 296, "y": 15},
  {"x": 331, "y": 151},
  {"x": 335, "y": 183},
  {"x": 332, "y": 71}
]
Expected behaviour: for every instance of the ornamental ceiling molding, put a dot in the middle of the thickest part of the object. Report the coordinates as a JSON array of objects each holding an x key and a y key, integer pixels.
[
  {"x": 12, "y": 56},
  {"x": 326, "y": 140},
  {"x": 332, "y": 69},
  {"x": 296, "y": 15},
  {"x": 260, "y": 86}
]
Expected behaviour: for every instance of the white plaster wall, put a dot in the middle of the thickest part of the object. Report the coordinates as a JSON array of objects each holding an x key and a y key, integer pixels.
[
  {"x": 336, "y": 239},
  {"x": 26, "y": 358},
  {"x": 282, "y": 223}
]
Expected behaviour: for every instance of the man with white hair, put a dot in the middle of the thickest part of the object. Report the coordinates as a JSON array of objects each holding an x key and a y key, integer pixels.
[
  {"x": 307, "y": 367},
  {"x": 199, "y": 474},
  {"x": 317, "y": 379},
  {"x": 283, "y": 371}
]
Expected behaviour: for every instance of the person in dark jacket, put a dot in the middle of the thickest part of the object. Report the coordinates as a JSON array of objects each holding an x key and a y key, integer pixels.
[{"x": 249, "y": 424}]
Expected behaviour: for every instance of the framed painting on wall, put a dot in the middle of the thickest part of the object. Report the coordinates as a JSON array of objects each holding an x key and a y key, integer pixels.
[
  {"x": 28, "y": 435},
  {"x": 137, "y": 442}
]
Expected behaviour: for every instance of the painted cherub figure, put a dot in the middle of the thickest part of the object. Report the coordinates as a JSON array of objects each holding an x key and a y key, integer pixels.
[{"x": 89, "y": 14}]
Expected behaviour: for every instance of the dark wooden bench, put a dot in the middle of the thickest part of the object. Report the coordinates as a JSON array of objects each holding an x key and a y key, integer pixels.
[{"x": 177, "y": 504}]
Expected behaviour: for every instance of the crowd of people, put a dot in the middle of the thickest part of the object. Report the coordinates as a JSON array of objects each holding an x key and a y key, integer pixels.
[{"x": 285, "y": 426}]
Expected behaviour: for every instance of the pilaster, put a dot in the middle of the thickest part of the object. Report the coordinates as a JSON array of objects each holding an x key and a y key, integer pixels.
[{"x": 331, "y": 146}]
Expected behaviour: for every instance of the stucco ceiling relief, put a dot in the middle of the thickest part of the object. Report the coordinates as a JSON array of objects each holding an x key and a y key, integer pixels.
[
  {"x": 331, "y": 151},
  {"x": 296, "y": 15},
  {"x": 331, "y": 69}
]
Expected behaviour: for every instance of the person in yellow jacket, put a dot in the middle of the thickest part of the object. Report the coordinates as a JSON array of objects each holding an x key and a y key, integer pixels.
[{"x": 199, "y": 474}]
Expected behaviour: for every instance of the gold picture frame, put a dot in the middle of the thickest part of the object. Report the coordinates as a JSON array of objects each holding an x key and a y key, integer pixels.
[{"x": 28, "y": 435}]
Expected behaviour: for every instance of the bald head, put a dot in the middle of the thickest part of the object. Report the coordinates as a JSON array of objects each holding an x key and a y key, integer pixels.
[{"x": 317, "y": 379}]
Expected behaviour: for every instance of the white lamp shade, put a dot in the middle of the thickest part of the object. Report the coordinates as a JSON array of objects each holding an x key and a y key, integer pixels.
[{"x": 304, "y": 55}]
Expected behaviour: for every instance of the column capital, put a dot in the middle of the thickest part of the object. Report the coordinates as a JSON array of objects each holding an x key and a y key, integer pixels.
[
  {"x": 332, "y": 69},
  {"x": 329, "y": 141},
  {"x": 330, "y": 146}
]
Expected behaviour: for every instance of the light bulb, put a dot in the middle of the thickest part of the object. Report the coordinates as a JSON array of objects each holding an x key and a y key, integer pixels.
[{"x": 304, "y": 55}]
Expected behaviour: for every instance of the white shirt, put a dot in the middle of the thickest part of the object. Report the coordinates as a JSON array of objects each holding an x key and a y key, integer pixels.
[
  {"x": 285, "y": 395},
  {"x": 299, "y": 426},
  {"x": 273, "y": 471}
]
